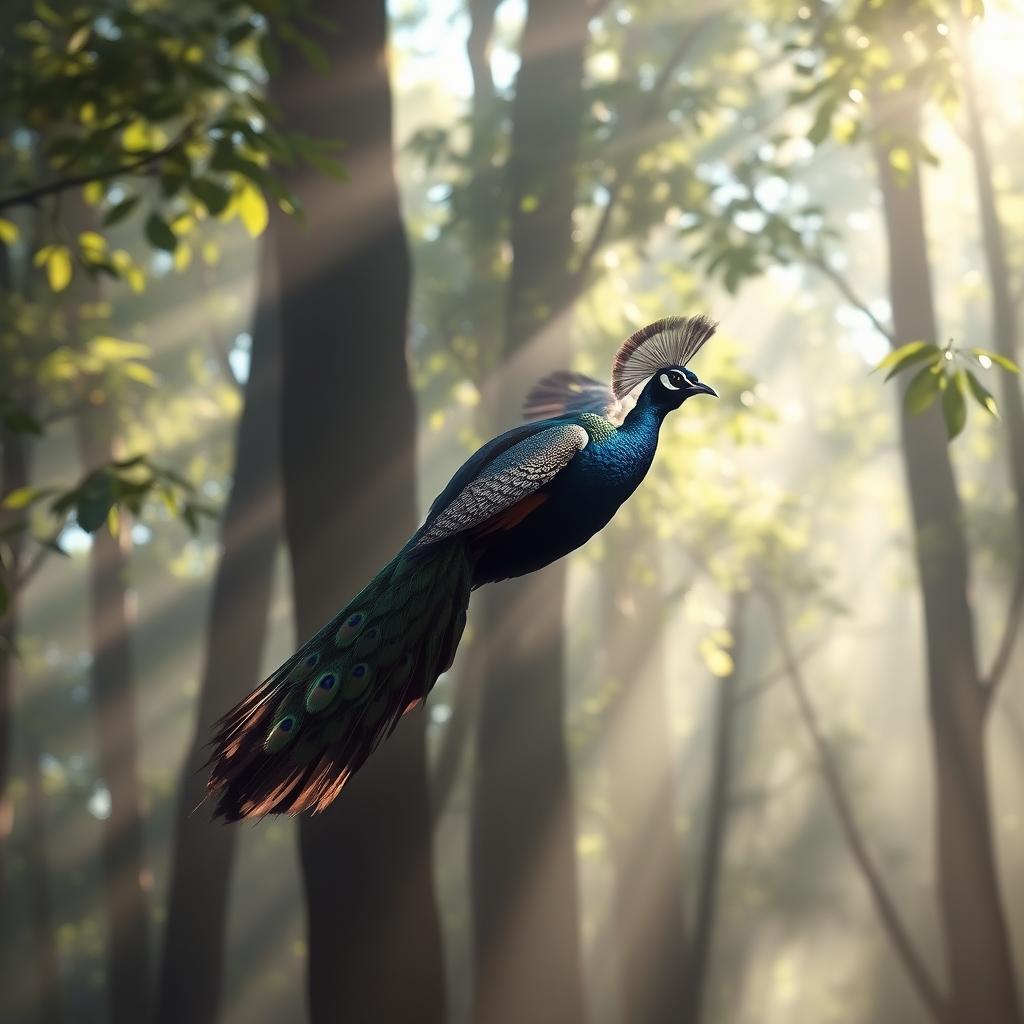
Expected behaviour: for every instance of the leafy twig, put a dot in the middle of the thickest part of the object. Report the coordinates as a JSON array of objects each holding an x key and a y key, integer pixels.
[{"x": 32, "y": 196}]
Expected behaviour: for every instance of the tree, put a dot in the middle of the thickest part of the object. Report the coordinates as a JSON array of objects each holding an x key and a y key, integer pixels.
[
  {"x": 348, "y": 431},
  {"x": 129, "y": 966},
  {"x": 183, "y": 145},
  {"x": 981, "y": 974},
  {"x": 523, "y": 828},
  {"x": 648, "y": 911},
  {"x": 872, "y": 70},
  {"x": 204, "y": 850}
]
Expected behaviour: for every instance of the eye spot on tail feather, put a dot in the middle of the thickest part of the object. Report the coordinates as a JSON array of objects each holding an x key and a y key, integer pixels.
[
  {"x": 281, "y": 735},
  {"x": 349, "y": 629},
  {"x": 322, "y": 692}
]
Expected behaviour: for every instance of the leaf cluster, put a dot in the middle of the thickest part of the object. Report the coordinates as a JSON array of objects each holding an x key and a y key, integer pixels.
[
  {"x": 99, "y": 497},
  {"x": 153, "y": 108},
  {"x": 948, "y": 373}
]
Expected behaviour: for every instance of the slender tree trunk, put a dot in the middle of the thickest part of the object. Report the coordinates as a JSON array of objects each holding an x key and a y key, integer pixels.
[
  {"x": 1004, "y": 313},
  {"x": 15, "y": 476},
  {"x": 703, "y": 930},
  {"x": 192, "y": 968},
  {"x": 1004, "y": 330},
  {"x": 348, "y": 464},
  {"x": 648, "y": 895},
  {"x": 889, "y": 916},
  {"x": 525, "y": 912},
  {"x": 113, "y": 693},
  {"x": 483, "y": 225},
  {"x": 45, "y": 965},
  {"x": 980, "y": 964}
]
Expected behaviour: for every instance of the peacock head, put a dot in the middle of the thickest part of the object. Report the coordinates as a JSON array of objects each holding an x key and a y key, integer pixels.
[
  {"x": 670, "y": 387},
  {"x": 658, "y": 354}
]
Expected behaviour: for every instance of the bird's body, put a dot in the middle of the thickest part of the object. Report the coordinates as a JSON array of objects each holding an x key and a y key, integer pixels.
[
  {"x": 580, "y": 501},
  {"x": 525, "y": 499}
]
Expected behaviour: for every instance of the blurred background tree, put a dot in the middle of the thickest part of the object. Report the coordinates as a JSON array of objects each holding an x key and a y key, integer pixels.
[{"x": 754, "y": 753}]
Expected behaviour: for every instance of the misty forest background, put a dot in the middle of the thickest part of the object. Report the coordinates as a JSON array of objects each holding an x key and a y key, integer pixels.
[{"x": 269, "y": 271}]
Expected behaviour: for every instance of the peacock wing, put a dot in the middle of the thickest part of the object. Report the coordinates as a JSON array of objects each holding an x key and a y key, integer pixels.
[
  {"x": 510, "y": 478},
  {"x": 567, "y": 393}
]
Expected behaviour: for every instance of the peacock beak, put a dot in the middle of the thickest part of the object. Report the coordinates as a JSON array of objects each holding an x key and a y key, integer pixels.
[{"x": 705, "y": 389}]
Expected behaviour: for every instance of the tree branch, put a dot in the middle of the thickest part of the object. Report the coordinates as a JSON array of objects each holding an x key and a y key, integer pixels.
[
  {"x": 896, "y": 930},
  {"x": 1014, "y": 617},
  {"x": 625, "y": 168},
  {"x": 32, "y": 196},
  {"x": 846, "y": 289}
]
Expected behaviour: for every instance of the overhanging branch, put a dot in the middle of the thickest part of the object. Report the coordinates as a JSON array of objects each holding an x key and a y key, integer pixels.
[{"x": 31, "y": 196}]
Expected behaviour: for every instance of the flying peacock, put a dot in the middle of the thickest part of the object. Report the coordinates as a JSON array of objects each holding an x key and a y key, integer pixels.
[{"x": 525, "y": 499}]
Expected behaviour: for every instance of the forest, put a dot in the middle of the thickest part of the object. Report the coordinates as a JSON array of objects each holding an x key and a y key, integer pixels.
[{"x": 271, "y": 270}]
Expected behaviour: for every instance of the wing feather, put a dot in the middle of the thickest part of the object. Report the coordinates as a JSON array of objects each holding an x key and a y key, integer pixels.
[
  {"x": 514, "y": 475},
  {"x": 566, "y": 393}
]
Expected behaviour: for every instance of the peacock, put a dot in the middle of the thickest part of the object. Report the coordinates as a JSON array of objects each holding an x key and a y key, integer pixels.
[{"x": 525, "y": 499}]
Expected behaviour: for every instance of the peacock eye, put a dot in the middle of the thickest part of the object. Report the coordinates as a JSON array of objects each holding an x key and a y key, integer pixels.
[{"x": 668, "y": 380}]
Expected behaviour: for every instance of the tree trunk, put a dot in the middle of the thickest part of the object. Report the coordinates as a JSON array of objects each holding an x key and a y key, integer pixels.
[
  {"x": 348, "y": 464},
  {"x": 113, "y": 694},
  {"x": 192, "y": 968},
  {"x": 1004, "y": 312},
  {"x": 648, "y": 893},
  {"x": 15, "y": 476},
  {"x": 702, "y": 936},
  {"x": 979, "y": 960},
  {"x": 482, "y": 305},
  {"x": 45, "y": 965},
  {"x": 525, "y": 912}
]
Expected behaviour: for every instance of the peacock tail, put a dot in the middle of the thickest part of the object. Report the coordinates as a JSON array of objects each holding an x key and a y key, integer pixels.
[{"x": 294, "y": 742}]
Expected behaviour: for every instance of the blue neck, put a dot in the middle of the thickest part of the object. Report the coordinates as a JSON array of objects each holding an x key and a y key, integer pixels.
[
  {"x": 645, "y": 417},
  {"x": 643, "y": 424}
]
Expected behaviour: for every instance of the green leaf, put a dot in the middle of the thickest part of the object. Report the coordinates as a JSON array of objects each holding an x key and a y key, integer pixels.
[
  {"x": 79, "y": 38},
  {"x": 92, "y": 510},
  {"x": 58, "y": 267},
  {"x": 20, "y": 422},
  {"x": 213, "y": 196},
  {"x": 93, "y": 499},
  {"x": 47, "y": 13},
  {"x": 141, "y": 373},
  {"x": 21, "y": 497},
  {"x": 239, "y": 33},
  {"x": 982, "y": 395},
  {"x": 954, "y": 408},
  {"x": 906, "y": 355},
  {"x": 922, "y": 391},
  {"x": 1007, "y": 364},
  {"x": 822, "y": 122},
  {"x": 252, "y": 210},
  {"x": 118, "y": 212},
  {"x": 159, "y": 233}
]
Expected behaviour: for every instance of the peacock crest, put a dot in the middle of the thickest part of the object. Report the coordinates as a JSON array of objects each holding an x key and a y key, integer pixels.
[{"x": 672, "y": 341}]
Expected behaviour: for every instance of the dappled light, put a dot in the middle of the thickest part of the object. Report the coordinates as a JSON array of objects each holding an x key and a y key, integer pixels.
[{"x": 750, "y": 753}]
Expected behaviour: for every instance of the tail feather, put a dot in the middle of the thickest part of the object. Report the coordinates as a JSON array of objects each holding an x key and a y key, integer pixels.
[{"x": 293, "y": 743}]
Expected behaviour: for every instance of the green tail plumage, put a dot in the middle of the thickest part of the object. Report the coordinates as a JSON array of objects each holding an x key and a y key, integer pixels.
[{"x": 292, "y": 744}]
